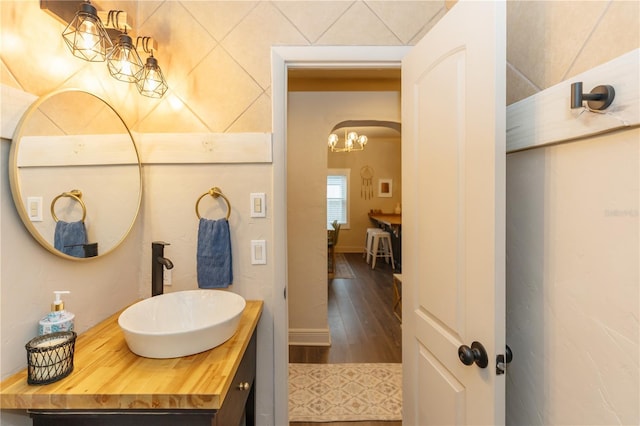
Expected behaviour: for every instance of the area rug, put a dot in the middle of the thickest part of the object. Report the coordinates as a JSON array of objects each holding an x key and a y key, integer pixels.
[
  {"x": 343, "y": 270},
  {"x": 345, "y": 392}
]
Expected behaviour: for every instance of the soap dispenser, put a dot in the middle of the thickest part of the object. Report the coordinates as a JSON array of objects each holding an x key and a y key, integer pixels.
[{"x": 58, "y": 319}]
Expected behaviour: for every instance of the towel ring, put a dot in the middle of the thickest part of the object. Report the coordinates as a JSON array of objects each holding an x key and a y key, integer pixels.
[
  {"x": 76, "y": 194},
  {"x": 215, "y": 192}
]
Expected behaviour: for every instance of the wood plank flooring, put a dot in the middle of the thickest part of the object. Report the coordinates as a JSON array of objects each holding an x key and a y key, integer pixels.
[{"x": 363, "y": 327}]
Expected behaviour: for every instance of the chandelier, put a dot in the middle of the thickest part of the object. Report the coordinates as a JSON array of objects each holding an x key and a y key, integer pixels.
[{"x": 352, "y": 142}]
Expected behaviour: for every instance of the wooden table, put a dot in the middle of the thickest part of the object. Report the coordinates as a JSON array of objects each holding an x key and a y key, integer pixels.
[{"x": 389, "y": 219}]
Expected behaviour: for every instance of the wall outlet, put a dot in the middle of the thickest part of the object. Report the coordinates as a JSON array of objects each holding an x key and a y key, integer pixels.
[
  {"x": 258, "y": 252},
  {"x": 166, "y": 277}
]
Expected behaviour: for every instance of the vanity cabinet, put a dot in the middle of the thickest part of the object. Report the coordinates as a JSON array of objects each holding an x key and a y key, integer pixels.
[
  {"x": 238, "y": 407},
  {"x": 214, "y": 388}
]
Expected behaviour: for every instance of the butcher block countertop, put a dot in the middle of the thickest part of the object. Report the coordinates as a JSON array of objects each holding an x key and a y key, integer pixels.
[{"x": 107, "y": 375}]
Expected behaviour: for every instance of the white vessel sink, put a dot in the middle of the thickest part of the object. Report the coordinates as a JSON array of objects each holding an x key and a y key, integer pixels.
[{"x": 181, "y": 323}]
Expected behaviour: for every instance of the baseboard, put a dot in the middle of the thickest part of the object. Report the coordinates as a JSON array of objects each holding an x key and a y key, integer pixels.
[
  {"x": 349, "y": 249},
  {"x": 309, "y": 337}
]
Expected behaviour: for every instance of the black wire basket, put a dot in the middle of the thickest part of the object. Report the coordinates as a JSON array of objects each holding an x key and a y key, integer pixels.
[{"x": 50, "y": 357}]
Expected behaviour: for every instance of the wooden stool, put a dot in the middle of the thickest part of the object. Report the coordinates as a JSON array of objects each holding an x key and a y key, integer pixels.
[
  {"x": 381, "y": 247},
  {"x": 397, "y": 289}
]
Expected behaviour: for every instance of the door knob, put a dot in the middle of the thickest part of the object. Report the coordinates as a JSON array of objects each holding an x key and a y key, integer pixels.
[
  {"x": 503, "y": 360},
  {"x": 476, "y": 353},
  {"x": 508, "y": 354}
]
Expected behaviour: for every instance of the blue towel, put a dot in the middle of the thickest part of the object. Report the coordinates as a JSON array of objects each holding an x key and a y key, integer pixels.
[
  {"x": 214, "y": 254},
  {"x": 70, "y": 237}
]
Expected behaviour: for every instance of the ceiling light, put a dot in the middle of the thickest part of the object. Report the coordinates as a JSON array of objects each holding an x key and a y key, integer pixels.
[
  {"x": 123, "y": 61},
  {"x": 85, "y": 35},
  {"x": 352, "y": 142}
]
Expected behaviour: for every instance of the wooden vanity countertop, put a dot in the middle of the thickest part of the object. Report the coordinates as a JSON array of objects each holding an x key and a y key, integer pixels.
[{"x": 107, "y": 375}]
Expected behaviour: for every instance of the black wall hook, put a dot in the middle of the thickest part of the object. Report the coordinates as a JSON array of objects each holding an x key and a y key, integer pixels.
[{"x": 599, "y": 98}]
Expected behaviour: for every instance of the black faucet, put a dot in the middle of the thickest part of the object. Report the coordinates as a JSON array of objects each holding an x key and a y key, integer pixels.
[{"x": 158, "y": 262}]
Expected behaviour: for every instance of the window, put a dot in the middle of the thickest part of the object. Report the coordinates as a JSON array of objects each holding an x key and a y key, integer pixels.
[{"x": 338, "y": 196}]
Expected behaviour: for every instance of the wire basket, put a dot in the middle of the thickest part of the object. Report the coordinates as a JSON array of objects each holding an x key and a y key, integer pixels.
[{"x": 50, "y": 357}]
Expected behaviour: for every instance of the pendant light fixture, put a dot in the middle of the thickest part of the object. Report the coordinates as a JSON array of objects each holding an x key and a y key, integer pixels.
[
  {"x": 123, "y": 61},
  {"x": 85, "y": 35},
  {"x": 150, "y": 80},
  {"x": 352, "y": 142},
  {"x": 91, "y": 36}
]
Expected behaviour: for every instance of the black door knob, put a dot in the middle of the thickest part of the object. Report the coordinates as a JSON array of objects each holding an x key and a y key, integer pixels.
[
  {"x": 476, "y": 353},
  {"x": 508, "y": 354}
]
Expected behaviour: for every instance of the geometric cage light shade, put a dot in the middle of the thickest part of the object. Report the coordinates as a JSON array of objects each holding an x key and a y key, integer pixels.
[
  {"x": 123, "y": 61},
  {"x": 150, "y": 80},
  {"x": 86, "y": 37}
]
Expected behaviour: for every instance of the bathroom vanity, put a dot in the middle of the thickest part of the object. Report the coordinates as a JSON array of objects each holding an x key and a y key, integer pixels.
[{"x": 110, "y": 385}]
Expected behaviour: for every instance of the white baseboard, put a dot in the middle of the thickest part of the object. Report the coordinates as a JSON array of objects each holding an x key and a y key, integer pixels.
[{"x": 309, "y": 337}]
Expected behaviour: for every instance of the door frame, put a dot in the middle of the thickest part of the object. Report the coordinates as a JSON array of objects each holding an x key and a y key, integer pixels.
[{"x": 283, "y": 58}]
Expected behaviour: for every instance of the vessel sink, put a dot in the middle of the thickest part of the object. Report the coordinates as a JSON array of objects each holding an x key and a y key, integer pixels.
[{"x": 181, "y": 323}]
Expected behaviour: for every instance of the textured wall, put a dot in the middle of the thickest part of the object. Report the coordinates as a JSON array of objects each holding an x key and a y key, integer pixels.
[
  {"x": 572, "y": 282},
  {"x": 551, "y": 41},
  {"x": 572, "y": 231},
  {"x": 214, "y": 54}
]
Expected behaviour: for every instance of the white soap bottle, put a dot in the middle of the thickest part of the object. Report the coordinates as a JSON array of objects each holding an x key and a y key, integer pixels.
[{"x": 58, "y": 319}]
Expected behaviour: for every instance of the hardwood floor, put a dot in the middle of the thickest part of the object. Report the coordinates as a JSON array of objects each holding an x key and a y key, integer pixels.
[{"x": 363, "y": 327}]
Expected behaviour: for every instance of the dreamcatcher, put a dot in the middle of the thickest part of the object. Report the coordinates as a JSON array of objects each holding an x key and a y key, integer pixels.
[{"x": 366, "y": 183}]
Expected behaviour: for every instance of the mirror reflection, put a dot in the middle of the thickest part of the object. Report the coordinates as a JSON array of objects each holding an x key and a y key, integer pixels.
[{"x": 75, "y": 174}]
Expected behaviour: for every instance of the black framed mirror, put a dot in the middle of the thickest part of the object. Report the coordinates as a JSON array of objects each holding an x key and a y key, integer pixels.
[{"x": 75, "y": 174}]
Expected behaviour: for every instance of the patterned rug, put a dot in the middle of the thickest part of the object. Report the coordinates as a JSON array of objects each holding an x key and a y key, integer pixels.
[
  {"x": 343, "y": 270},
  {"x": 345, "y": 392}
]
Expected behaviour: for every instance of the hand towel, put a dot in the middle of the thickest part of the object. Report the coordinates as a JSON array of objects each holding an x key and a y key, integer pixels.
[
  {"x": 70, "y": 237},
  {"x": 214, "y": 254}
]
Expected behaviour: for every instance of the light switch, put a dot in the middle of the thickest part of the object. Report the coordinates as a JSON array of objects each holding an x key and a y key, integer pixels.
[
  {"x": 258, "y": 208},
  {"x": 34, "y": 209},
  {"x": 258, "y": 252}
]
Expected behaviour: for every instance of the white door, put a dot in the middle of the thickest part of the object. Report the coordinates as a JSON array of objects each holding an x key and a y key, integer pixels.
[{"x": 453, "y": 249}]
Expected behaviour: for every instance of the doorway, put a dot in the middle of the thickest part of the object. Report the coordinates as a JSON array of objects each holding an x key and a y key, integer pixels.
[
  {"x": 283, "y": 59},
  {"x": 312, "y": 113}
]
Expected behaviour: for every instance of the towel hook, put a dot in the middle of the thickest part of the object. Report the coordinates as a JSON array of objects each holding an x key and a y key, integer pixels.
[
  {"x": 215, "y": 192},
  {"x": 75, "y": 194},
  {"x": 600, "y": 97}
]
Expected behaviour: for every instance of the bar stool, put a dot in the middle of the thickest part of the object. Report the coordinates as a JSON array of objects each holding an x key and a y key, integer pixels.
[
  {"x": 381, "y": 247},
  {"x": 368, "y": 241}
]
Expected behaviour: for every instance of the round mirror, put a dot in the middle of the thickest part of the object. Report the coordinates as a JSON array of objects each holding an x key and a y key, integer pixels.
[{"x": 75, "y": 174}]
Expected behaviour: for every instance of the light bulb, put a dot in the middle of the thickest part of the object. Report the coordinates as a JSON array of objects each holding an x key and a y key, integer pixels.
[{"x": 89, "y": 35}]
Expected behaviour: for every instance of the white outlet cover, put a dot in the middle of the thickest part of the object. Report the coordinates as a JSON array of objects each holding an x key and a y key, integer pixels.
[{"x": 258, "y": 252}]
